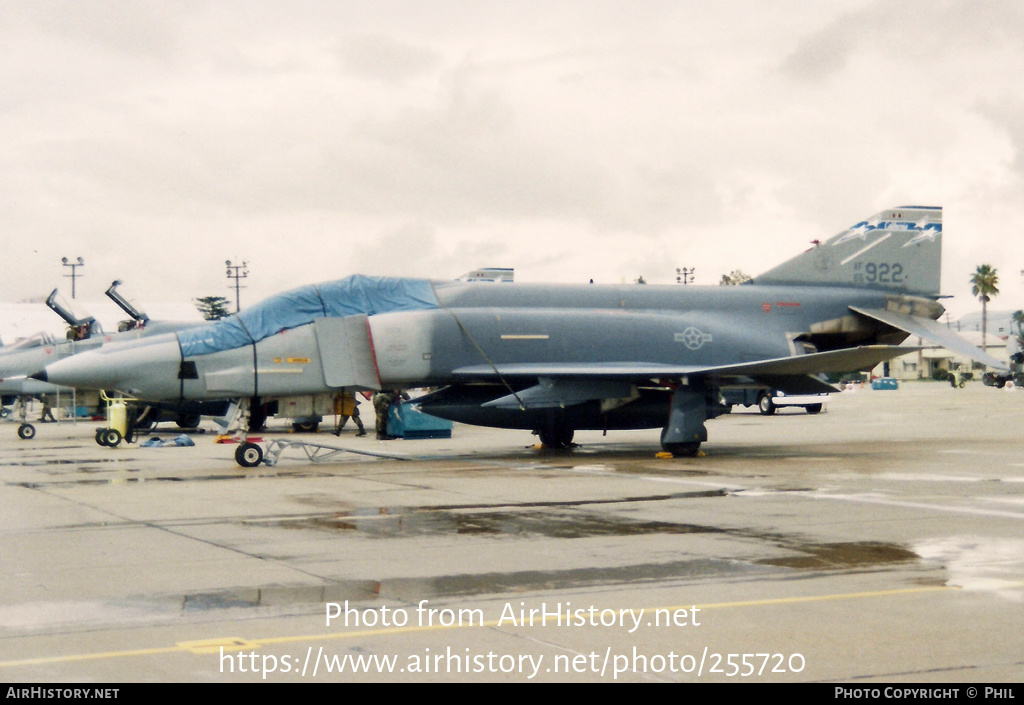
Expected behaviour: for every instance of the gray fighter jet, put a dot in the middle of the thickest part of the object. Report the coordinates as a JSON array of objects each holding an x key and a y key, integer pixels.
[
  {"x": 554, "y": 359},
  {"x": 30, "y": 356}
]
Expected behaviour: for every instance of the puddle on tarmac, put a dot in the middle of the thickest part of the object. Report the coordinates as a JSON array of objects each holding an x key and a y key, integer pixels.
[
  {"x": 64, "y": 461},
  {"x": 569, "y": 521},
  {"x": 115, "y": 480},
  {"x": 312, "y": 598},
  {"x": 119, "y": 479},
  {"x": 414, "y": 589},
  {"x": 279, "y": 596},
  {"x": 445, "y": 586},
  {"x": 448, "y": 586},
  {"x": 550, "y": 523},
  {"x": 844, "y": 555},
  {"x": 545, "y": 519}
]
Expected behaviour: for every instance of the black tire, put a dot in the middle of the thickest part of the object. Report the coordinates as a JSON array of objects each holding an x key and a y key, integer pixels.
[
  {"x": 111, "y": 437},
  {"x": 248, "y": 455},
  {"x": 188, "y": 420},
  {"x": 765, "y": 405},
  {"x": 557, "y": 438},
  {"x": 26, "y": 432},
  {"x": 682, "y": 450},
  {"x": 306, "y": 426},
  {"x": 99, "y": 437},
  {"x": 813, "y": 409}
]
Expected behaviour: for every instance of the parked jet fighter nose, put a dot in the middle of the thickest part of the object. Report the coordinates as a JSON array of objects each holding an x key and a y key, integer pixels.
[{"x": 146, "y": 368}]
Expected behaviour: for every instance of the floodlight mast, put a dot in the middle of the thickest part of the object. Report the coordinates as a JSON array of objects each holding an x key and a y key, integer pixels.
[
  {"x": 74, "y": 274},
  {"x": 237, "y": 272}
]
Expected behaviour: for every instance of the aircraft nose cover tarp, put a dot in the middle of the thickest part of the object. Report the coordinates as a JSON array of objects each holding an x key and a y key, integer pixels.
[{"x": 353, "y": 295}]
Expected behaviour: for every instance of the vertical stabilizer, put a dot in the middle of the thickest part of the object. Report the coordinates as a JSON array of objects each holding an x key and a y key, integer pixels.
[{"x": 896, "y": 250}]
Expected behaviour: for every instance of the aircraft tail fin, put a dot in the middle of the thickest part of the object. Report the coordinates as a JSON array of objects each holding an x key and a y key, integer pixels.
[{"x": 897, "y": 250}]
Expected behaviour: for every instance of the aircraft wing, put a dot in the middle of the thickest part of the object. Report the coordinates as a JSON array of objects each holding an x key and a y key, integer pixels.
[
  {"x": 847, "y": 360},
  {"x": 932, "y": 331},
  {"x": 563, "y": 384}
]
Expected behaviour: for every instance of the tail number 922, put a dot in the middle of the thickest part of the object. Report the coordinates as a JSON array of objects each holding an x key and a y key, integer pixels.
[{"x": 878, "y": 273}]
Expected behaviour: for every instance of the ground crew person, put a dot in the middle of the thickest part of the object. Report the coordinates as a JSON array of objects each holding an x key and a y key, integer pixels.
[
  {"x": 350, "y": 410},
  {"x": 382, "y": 402},
  {"x": 47, "y": 416}
]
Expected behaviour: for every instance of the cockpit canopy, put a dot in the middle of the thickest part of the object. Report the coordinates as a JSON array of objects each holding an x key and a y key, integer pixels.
[
  {"x": 357, "y": 294},
  {"x": 36, "y": 340}
]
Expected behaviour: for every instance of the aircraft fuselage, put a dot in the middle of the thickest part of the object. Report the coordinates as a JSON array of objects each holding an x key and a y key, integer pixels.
[{"x": 518, "y": 331}]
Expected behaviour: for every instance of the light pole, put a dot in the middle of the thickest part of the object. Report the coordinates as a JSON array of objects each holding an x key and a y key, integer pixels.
[
  {"x": 237, "y": 272},
  {"x": 73, "y": 275},
  {"x": 685, "y": 276}
]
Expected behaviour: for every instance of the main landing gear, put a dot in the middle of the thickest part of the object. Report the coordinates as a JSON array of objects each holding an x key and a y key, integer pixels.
[
  {"x": 246, "y": 417},
  {"x": 684, "y": 432},
  {"x": 556, "y": 437},
  {"x": 248, "y": 455}
]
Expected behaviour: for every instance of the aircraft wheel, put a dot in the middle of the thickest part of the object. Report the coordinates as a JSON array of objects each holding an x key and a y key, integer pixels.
[
  {"x": 557, "y": 438},
  {"x": 682, "y": 450},
  {"x": 111, "y": 437},
  {"x": 814, "y": 409},
  {"x": 306, "y": 426},
  {"x": 765, "y": 405},
  {"x": 188, "y": 420},
  {"x": 248, "y": 455},
  {"x": 26, "y": 432}
]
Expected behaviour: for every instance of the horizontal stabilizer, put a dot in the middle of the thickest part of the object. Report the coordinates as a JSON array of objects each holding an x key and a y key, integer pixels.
[
  {"x": 932, "y": 331},
  {"x": 835, "y": 361}
]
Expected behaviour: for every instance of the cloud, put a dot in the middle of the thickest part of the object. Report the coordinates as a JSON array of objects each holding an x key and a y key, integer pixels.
[
  {"x": 383, "y": 58},
  {"x": 571, "y": 140}
]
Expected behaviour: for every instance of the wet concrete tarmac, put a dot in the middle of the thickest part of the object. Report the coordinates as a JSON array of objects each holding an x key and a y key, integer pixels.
[{"x": 882, "y": 541}]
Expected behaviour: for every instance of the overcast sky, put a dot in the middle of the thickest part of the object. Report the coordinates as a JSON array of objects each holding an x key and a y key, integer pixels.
[{"x": 569, "y": 140}]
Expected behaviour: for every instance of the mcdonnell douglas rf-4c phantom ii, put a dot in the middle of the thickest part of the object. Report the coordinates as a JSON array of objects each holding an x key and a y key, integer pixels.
[
  {"x": 553, "y": 359},
  {"x": 21, "y": 360}
]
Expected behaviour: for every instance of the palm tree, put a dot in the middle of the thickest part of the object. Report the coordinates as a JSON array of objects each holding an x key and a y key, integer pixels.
[{"x": 984, "y": 285}]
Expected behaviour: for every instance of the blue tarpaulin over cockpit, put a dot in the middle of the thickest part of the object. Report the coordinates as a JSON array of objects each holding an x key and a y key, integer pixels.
[{"x": 353, "y": 295}]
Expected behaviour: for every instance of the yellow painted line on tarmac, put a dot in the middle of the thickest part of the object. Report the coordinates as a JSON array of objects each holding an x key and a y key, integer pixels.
[{"x": 213, "y": 646}]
